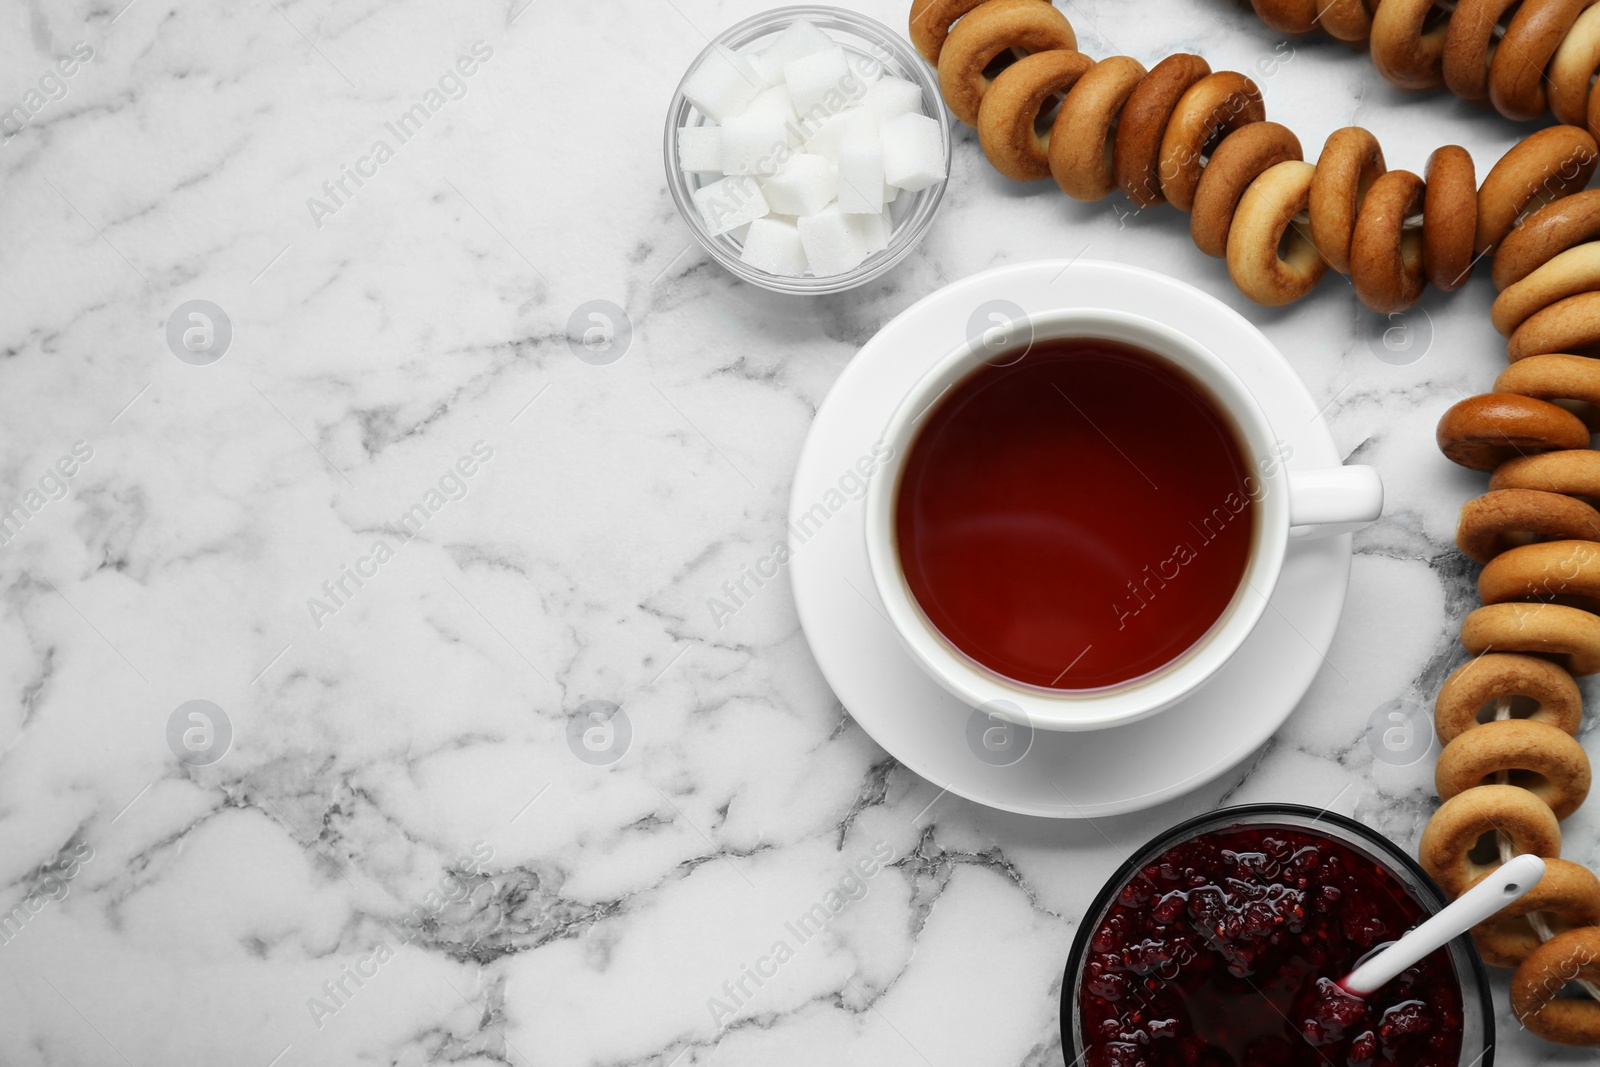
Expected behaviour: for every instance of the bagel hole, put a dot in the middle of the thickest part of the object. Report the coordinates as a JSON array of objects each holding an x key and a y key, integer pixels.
[
  {"x": 1571, "y": 991},
  {"x": 1486, "y": 853},
  {"x": 1532, "y": 781},
  {"x": 1294, "y": 235},
  {"x": 1438, "y": 17},
  {"x": 1500, "y": 25},
  {"x": 1045, "y": 120},
  {"x": 1218, "y": 134},
  {"x": 1002, "y": 59},
  {"x": 1521, "y": 708}
]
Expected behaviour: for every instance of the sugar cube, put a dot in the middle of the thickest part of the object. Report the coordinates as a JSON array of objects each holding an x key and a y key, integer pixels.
[
  {"x": 773, "y": 103},
  {"x": 913, "y": 152},
  {"x": 700, "y": 149},
  {"x": 821, "y": 78},
  {"x": 861, "y": 176},
  {"x": 836, "y": 129},
  {"x": 875, "y": 229},
  {"x": 723, "y": 84},
  {"x": 799, "y": 39},
  {"x": 767, "y": 72},
  {"x": 730, "y": 203},
  {"x": 754, "y": 144},
  {"x": 804, "y": 186},
  {"x": 773, "y": 245},
  {"x": 836, "y": 242},
  {"x": 891, "y": 98},
  {"x": 865, "y": 68}
]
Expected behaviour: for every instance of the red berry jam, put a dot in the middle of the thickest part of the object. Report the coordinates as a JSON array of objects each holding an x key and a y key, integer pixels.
[{"x": 1224, "y": 952}]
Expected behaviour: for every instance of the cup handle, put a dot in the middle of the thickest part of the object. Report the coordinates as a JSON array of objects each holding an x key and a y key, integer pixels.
[{"x": 1333, "y": 500}]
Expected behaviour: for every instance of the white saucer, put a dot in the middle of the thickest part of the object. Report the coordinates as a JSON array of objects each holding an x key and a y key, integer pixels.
[{"x": 1062, "y": 775}]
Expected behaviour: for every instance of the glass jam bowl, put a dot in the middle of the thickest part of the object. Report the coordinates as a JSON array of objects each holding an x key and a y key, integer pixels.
[{"x": 1219, "y": 942}]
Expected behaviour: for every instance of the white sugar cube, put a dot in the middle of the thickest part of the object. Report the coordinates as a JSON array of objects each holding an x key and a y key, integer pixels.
[
  {"x": 913, "y": 152},
  {"x": 767, "y": 72},
  {"x": 891, "y": 98},
  {"x": 773, "y": 245},
  {"x": 730, "y": 203},
  {"x": 836, "y": 129},
  {"x": 821, "y": 78},
  {"x": 836, "y": 242},
  {"x": 804, "y": 186},
  {"x": 867, "y": 69},
  {"x": 723, "y": 84},
  {"x": 799, "y": 39},
  {"x": 773, "y": 103},
  {"x": 860, "y": 176},
  {"x": 754, "y": 144},
  {"x": 875, "y": 229},
  {"x": 700, "y": 149}
]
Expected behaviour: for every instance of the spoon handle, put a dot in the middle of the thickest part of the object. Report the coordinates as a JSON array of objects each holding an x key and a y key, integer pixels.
[{"x": 1507, "y": 884}]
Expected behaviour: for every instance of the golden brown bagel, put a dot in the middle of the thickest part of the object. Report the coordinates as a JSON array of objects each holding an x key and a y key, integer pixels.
[
  {"x": 1009, "y": 113},
  {"x": 1449, "y": 217},
  {"x": 1569, "y": 636},
  {"x": 1545, "y": 761},
  {"x": 1474, "y": 687},
  {"x": 1574, "y": 954},
  {"x": 1351, "y": 161},
  {"x": 1571, "y": 325},
  {"x": 1455, "y": 829},
  {"x": 1213, "y": 107},
  {"x": 1081, "y": 140},
  {"x": 1137, "y": 156},
  {"x": 1568, "y": 896},
  {"x": 1562, "y": 572},
  {"x": 1385, "y": 256},
  {"x": 1482, "y": 432},
  {"x": 982, "y": 35},
  {"x": 1502, "y": 519},
  {"x": 1264, "y": 218},
  {"x": 1575, "y": 472},
  {"x": 1242, "y": 157}
]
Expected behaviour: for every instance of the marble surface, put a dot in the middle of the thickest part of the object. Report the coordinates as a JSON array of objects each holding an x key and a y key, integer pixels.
[{"x": 399, "y": 857}]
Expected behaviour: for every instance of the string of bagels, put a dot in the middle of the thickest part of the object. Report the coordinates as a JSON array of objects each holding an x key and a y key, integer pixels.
[{"x": 1180, "y": 133}]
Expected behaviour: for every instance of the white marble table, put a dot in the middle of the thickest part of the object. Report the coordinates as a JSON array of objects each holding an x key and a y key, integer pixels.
[{"x": 399, "y": 858}]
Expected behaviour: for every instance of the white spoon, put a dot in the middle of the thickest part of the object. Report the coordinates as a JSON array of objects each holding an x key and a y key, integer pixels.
[{"x": 1508, "y": 883}]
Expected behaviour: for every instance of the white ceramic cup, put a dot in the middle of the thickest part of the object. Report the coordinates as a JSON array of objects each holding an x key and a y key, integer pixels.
[{"x": 1288, "y": 504}]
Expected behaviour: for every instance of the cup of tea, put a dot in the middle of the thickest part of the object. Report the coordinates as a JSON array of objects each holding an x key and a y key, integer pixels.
[{"x": 1081, "y": 530}]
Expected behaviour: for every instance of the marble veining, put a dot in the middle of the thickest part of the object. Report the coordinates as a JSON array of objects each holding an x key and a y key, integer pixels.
[{"x": 416, "y": 844}]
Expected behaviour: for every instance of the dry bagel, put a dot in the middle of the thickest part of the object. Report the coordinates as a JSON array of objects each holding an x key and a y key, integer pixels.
[
  {"x": 1570, "y": 636},
  {"x": 1555, "y": 766},
  {"x": 1574, "y": 954},
  {"x": 1482, "y": 432},
  {"x": 1476, "y": 685},
  {"x": 1455, "y": 829}
]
